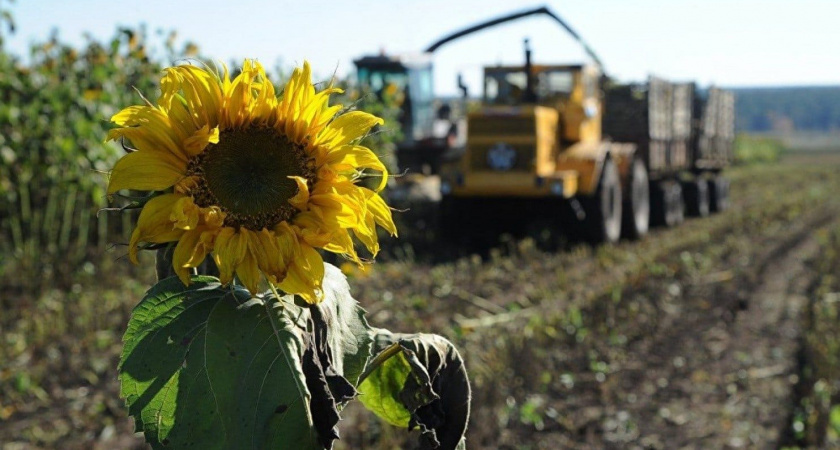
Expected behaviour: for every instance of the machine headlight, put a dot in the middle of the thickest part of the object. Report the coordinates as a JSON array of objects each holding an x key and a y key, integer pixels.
[
  {"x": 445, "y": 187},
  {"x": 557, "y": 188}
]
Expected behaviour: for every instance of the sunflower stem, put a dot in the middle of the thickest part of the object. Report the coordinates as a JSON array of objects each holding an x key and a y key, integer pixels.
[{"x": 276, "y": 294}]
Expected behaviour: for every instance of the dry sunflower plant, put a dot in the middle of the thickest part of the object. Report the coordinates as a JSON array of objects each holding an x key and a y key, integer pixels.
[{"x": 249, "y": 339}]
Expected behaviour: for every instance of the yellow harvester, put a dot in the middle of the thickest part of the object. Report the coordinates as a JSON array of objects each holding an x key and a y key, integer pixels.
[
  {"x": 561, "y": 147},
  {"x": 535, "y": 156}
]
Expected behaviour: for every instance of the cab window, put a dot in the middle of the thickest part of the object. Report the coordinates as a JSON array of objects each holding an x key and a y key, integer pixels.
[{"x": 504, "y": 88}]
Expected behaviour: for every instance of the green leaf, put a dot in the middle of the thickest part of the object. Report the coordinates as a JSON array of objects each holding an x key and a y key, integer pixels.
[
  {"x": 208, "y": 367},
  {"x": 834, "y": 420},
  {"x": 348, "y": 333},
  {"x": 380, "y": 390},
  {"x": 419, "y": 381}
]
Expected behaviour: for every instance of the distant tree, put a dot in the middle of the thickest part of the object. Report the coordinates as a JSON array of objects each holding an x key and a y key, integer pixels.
[{"x": 814, "y": 108}]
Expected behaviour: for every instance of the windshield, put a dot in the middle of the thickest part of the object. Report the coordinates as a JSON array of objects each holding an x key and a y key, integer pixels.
[
  {"x": 378, "y": 80},
  {"x": 504, "y": 88},
  {"x": 410, "y": 90},
  {"x": 508, "y": 87}
]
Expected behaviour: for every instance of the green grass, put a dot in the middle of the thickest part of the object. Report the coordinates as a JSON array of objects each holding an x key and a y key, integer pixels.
[{"x": 754, "y": 149}]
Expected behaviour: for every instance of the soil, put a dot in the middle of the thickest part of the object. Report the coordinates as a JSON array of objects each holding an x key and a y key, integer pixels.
[{"x": 689, "y": 338}]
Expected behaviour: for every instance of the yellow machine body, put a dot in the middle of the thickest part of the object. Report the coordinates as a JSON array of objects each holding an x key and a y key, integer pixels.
[{"x": 549, "y": 147}]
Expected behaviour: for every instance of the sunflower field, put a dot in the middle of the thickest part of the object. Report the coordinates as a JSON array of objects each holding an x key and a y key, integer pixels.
[
  {"x": 53, "y": 114},
  {"x": 55, "y": 109}
]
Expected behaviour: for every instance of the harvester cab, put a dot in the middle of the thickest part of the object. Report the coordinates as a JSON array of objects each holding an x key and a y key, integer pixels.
[
  {"x": 427, "y": 128},
  {"x": 407, "y": 82},
  {"x": 572, "y": 90}
]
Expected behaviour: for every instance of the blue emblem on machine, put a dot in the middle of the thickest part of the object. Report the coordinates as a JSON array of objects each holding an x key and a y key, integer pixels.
[{"x": 501, "y": 156}]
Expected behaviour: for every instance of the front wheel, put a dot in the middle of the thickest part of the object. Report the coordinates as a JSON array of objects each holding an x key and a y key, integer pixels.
[
  {"x": 637, "y": 204},
  {"x": 602, "y": 221}
]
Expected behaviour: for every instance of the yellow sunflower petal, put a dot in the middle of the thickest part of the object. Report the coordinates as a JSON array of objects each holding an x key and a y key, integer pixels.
[
  {"x": 237, "y": 96},
  {"x": 311, "y": 229},
  {"x": 196, "y": 143},
  {"x": 333, "y": 208},
  {"x": 347, "y": 128},
  {"x": 287, "y": 243},
  {"x": 305, "y": 276},
  {"x": 202, "y": 93},
  {"x": 285, "y": 104},
  {"x": 322, "y": 112},
  {"x": 342, "y": 244},
  {"x": 264, "y": 104},
  {"x": 154, "y": 224},
  {"x": 228, "y": 252},
  {"x": 351, "y": 157},
  {"x": 366, "y": 233},
  {"x": 190, "y": 252},
  {"x": 147, "y": 139},
  {"x": 263, "y": 246},
  {"x": 249, "y": 273},
  {"x": 152, "y": 119},
  {"x": 179, "y": 115},
  {"x": 144, "y": 171},
  {"x": 300, "y": 199},
  {"x": 212, "y": 217},
  {"x": 293, "y": 96},
  {"x": 185, "y": 214},
  {"x": 381, "y": 212},
  {"x": 341, "y": 202}
]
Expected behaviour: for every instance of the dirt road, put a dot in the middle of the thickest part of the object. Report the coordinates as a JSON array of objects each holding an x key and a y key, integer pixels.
[{"x": 688, "y": 339}]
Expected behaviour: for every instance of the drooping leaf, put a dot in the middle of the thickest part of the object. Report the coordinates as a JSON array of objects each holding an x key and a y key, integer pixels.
[
  {"x": 419, "y": 380},
  {"x": 337, "y": 349},
  {"x": 329, "y": 389},
  {"x": 348, "y": 333},
  {"x": 207, "y": 366}
]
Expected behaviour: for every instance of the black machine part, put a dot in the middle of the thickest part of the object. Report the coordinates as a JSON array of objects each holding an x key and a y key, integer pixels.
[{"x": 510, "y": 17}]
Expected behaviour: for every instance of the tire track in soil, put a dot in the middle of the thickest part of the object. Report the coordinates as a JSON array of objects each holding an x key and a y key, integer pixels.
[
  {"x": 716, "y": 370},
  {"x": 707, "y": 368},
  {"x": 731, "y": 385}
]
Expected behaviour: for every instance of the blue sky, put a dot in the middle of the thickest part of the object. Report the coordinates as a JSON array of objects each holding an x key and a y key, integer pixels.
[{"x": 725, "y": 42}]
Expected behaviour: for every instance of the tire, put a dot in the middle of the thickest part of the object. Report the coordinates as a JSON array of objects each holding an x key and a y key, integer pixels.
[
  {"x": 718, "y": 194},
  {"x": 667, "y": 207},
  {"x": 696, "y": 195},
  {"x": 676, "y": 205},
  {"x": 603, "y": 210},
  {"x": 636, "y": 208}
]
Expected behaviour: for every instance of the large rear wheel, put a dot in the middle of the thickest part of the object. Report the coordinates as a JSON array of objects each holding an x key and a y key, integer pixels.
[
  {"x": 696, "y": 194},
  {"x": 718, "y": 194},
  {"x": 667, "y": 207},
  {"x": 603, "y": 210},
  {"x": 637, "y": 205}
]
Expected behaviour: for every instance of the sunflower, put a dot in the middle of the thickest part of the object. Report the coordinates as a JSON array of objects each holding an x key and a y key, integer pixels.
[{"x": 255, "y": 180}]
